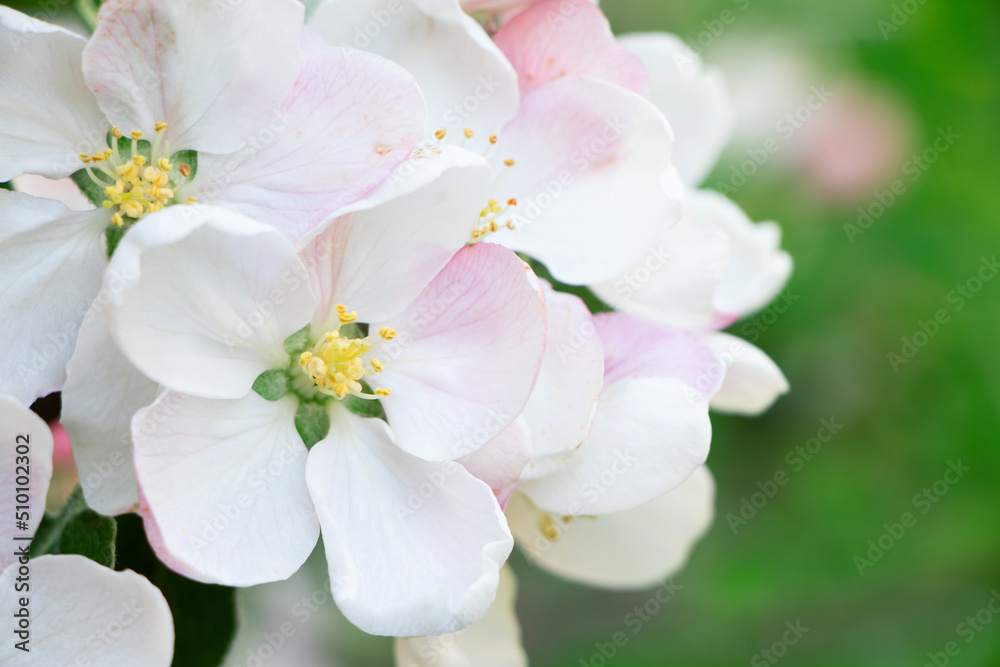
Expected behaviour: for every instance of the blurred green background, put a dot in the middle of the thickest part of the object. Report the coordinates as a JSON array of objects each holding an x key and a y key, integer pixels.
[{"x": 795, "y": 560}]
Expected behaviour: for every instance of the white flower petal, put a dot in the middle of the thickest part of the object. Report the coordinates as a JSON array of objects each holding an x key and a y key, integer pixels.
[
  {"x": 631, "y": 549},
  {"x": 465, "y": 79},
  {"x": 224, "y": 484},
  {"x": 85, "y": 614},
  {"x": 377, "y": 258},
  {"x": 465, "y": 356},
  {"x": 349, "y": 121},
  {"x": 49, "y": 115},
  {"x": 676, "y": 282},
  {"x": 207, "y": 298},
  {"x": 198, "y": 66},
  {"x": 102, "y": 392},
  {"x": 500, "y": 461},
  {"x": 758, "y": 268},
  {"x": 413, "y": 547},
  {"x": 692, "y": 97},
  {"x": 27, "y": 453},
  {"x": 753, "y": 382},
  {"x": 649, "y": 434},
  {"x": 564, "y": 400},
  {"x": 50, "y": 269},
  {"x": 493, "y": 641},
  {"x": 589, "y": 179}
]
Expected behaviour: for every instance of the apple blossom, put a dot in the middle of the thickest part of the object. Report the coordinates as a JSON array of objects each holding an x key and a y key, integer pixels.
[
  {"x": 67, "y": 609},
  {"x": 142, "y": 122}
]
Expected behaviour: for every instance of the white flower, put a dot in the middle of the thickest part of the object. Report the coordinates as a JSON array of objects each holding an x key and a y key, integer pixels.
[
  {"x": 64, "y": 610},
  {"x": 171, "y": 103}
]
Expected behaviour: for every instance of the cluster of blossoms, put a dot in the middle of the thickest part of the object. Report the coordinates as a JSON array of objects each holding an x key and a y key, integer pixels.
[{"x": 302, "y": 300}]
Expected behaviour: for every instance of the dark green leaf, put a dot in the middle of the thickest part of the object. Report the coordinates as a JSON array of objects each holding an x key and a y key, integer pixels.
[
  {"x": 204, "y": 615},
  {"x": 77, "y": 529},
  {"x": 312, "y": 421}
]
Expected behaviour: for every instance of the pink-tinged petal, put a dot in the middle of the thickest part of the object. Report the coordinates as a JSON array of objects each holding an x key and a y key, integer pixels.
[
  {"x": 102, "y": 392},
  {"x": 50, "y": 269},
  {"x": 466, "y": 354},
  {"x": 24, "y": 435},
  {"x": 758, "y": 268},
  {"x": 692, "y": 97},
  {"x": 559, "y": 38},
  {"x": 63, "y": 190},
  {"x": 592, "y": 162},
  {"x": 464, "y": 77},
  {"x": 203, "y": 299},
  {"x": 379, "y": 257},
  {"x": 350, "y": 119},
  {"x": 649, "y": 434},
  {"x": 500, "y": 461},
  {"x": 676, "y": 283},
  {"x": 635, "y": 348},
  {"x": 415, "y": 549},
  {"x": 632, "y": 549},
  {"x": 753, "y": 382},
  {"x": 492, "y": 641},
  {"x": 225, "y": 486},
  {"x": 198, "y": 66},
  {"x": 49, "y": 114},
  {"x": 83, "y": 613},
  {"x": 562, "y": 405}
]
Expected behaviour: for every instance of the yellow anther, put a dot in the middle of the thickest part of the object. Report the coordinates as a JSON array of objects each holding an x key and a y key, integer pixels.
[
  {"x": 164, "y": 164},
  {"x": 185, "y": 170},
  {"x": 475, "y": 233},
  {"x": 84, "y": 158},
  {"x": 116, "y": 132},
  {"x": 548, "y": 527},
  {"x": 127, "y": 171},
  {"x": 382, "y": 393},
  {"x": 331, "y": 336},
  {"x": 376, "y": 365},
  {"x": 511, "y": 202},
  {"x": 493, "y": 139},
  {"x": 387, "y": 333},
  {"x": 190, "y": 200},
  {"x": 441, "y": 134},
  {"x": 510, "y": 224},
  {"x": 347, "y": 318},
  {"x": 110, "y": 191},
  {"x": 304, "y": 358},
  {"x": 160, "y": 126},
  {"x": 509, "y": 162},
  {"x": 138, "y": 160},
  {"x": 340, "y": 390},
  {"x": 118, "y": 220},
  {"x": 493, "y": 225},
  {"x": 469, "y": 133},
  {"x": 131, "y": 208},
  {"x": 136, "y": 135},
  {"x": 107, "y": 203}
]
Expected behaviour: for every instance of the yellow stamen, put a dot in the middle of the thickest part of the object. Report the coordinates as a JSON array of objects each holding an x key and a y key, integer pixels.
[
  {"x": 160, "y": 126},
  {"x": 469, "y": 133},
  {"x": 509, "y": 162},
  {"x": 441, "y": 134},
  {"x": 136, "y": 135},
  {"x": 387, "y": 333},
  {"x": 382, "y": 393},
  {"x": 376, "y": 365},
  {"x": 116, "y": 132}
]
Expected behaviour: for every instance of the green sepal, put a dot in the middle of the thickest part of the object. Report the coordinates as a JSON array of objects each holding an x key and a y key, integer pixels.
[
  {"x": 6, "y": 186},
  {"x": 92, "y": 191},
  {"x": 312, "y": 421},
  {"x": 77, "y": 529},
  {"x": 190, "y": 158},
  {"x": 272, "y": 385},
  {"x": 297, "y": 343},
  {"x": 364, "y": 407},
  {"x": 113, "y": 236}
]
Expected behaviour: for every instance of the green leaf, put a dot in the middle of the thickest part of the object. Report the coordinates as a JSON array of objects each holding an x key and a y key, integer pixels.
[
  {"x": 87, "y": 11},
  {"x": 312, "y": 421},
  {"x": 204, "y": 614},
  {"x": 272, "y": 385},
  {"x": 297, "y": 342},
  {"x": 189, "y": 158},
  {"x": 93, "y": 191},
  {"x": 77, "y": 529}
]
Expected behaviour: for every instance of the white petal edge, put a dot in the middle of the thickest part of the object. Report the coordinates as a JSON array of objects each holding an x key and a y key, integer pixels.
[{"x": 752, "y": 383}]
